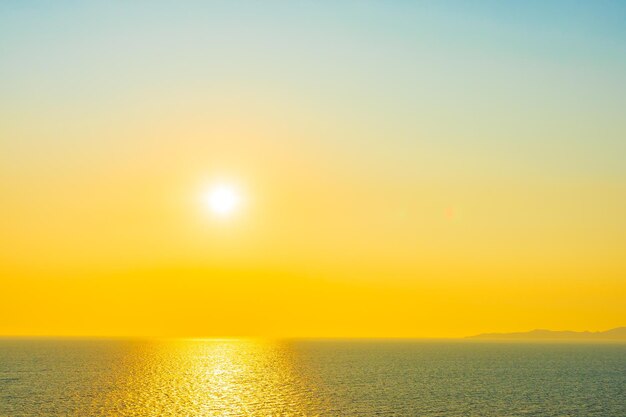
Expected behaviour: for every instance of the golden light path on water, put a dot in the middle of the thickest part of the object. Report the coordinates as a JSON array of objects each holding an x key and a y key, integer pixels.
[{"x": 210, "y": 378}]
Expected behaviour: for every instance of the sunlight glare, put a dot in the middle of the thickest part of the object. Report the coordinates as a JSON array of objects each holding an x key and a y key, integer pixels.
[{"x": 223, "y": 199}]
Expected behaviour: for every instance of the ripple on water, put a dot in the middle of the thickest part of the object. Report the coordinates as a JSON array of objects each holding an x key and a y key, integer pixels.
[{"x": 309, "y": 378}]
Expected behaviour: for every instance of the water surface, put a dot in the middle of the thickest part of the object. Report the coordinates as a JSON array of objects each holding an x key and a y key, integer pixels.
[{"x": 310, "y": 378}]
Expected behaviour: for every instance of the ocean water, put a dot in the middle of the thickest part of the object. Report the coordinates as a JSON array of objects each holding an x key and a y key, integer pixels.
[{"x": 310, "y": 378}]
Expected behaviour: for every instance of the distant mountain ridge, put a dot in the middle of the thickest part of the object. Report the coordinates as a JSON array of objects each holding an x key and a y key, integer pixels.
[{"x": 619, "y": 333}]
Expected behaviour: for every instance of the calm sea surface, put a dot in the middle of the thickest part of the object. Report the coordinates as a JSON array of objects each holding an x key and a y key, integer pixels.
[{"x": 309, "y": 378}]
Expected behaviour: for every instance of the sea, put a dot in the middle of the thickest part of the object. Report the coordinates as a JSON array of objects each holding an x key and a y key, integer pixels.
[{"x": 240, "y": 377}]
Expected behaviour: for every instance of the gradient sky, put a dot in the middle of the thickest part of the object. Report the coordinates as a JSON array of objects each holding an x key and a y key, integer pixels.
[{"x": 410, "y": 169}]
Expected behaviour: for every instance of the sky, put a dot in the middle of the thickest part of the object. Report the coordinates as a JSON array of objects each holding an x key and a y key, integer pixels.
[{"x": 405, "y": 169}]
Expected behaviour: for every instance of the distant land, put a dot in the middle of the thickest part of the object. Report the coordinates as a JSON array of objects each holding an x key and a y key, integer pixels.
[{"x": 618, "y": 333}]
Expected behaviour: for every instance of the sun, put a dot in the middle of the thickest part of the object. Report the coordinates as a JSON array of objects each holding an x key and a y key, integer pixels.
[{"x": 223, "y": 199}]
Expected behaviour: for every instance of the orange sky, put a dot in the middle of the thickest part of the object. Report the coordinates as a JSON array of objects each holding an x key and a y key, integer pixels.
[{"x": 392, "y": 187}]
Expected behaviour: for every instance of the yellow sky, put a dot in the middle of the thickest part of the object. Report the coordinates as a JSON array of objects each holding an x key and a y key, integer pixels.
[
  {"x": 95, "y": 246},
  {"x": 385, "y": 195}
]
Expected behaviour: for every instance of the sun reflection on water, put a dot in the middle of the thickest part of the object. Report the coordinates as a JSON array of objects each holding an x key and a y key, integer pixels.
[{"x": 213, "y": 378}]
